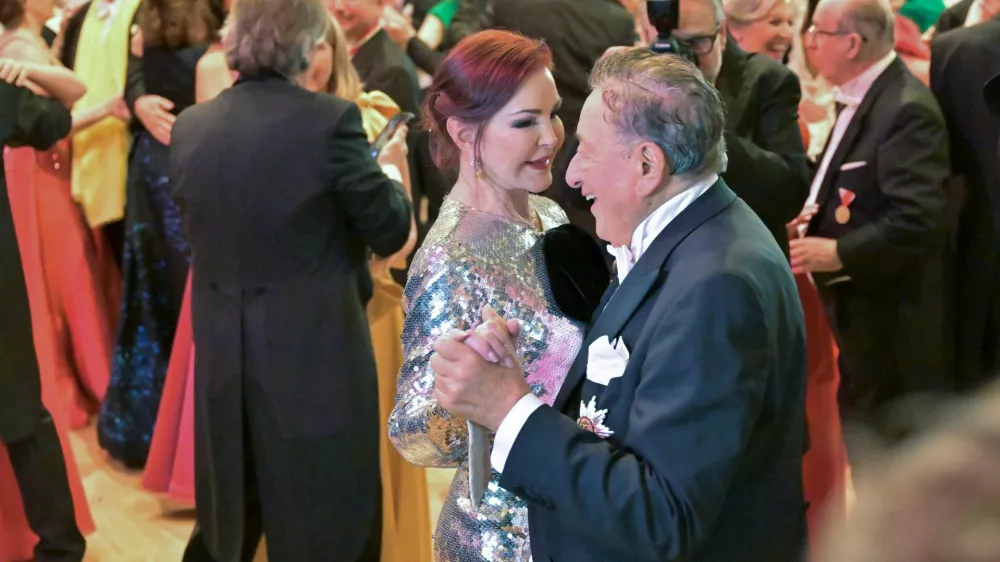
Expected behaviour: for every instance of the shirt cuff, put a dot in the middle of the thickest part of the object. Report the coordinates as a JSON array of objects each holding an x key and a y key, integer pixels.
[
  {"x": 511, "y": 425},
  {"x": 392, "y": 172}
]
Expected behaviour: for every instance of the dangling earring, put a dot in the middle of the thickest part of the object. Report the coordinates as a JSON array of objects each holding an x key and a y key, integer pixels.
[{"x": 477, "y": 167}]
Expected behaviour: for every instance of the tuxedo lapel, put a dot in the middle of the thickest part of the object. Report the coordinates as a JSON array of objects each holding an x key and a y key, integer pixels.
[
  {"x": 858, "y": 123},
  {"x": 647, "y": 273}
]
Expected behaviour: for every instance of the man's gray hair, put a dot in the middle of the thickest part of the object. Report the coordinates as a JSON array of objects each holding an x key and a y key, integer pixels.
[
  {"x": 874, "y": 21},
  {"x": 664, "y": 99},
  {"x": 274, "y": 35}
]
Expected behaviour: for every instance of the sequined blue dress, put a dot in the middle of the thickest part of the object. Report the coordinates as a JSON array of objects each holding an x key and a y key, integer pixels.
[{"x": 154, "y": 267}]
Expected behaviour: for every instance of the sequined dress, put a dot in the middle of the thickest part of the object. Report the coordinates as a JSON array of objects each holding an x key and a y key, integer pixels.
[
  {"x": 471, "y": 259},
  {"x": 154, "y": 270}
]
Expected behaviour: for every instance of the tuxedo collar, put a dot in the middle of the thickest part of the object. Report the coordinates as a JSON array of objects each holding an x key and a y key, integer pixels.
[{"x": 623, "y": 301}]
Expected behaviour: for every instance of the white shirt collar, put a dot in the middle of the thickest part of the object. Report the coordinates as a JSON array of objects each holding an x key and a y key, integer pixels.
[
  {"x": 852, "y": 92},
  {"x": 653, "y": 225}
]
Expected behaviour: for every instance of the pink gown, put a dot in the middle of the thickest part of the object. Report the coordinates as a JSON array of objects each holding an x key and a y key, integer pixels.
[{"x": 170, "y": 466}]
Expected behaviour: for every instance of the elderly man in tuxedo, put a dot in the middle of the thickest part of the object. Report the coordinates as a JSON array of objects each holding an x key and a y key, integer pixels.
[
  {"x": 26, "y": 428},
  {"x": 679, "y": 431},
  {"x": 875, "y": 245}
]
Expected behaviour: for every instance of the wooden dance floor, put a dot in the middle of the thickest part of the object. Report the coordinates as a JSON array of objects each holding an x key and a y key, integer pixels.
[{"x": 134, "y": 525}]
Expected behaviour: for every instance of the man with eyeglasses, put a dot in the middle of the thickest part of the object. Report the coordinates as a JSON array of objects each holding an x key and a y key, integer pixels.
[
  {"x": 767, "y": 160},
  {"x": 875, "y": 220}
]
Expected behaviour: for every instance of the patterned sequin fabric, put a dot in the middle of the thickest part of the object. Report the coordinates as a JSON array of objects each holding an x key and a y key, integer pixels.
[{"x": 471, "y": 259}]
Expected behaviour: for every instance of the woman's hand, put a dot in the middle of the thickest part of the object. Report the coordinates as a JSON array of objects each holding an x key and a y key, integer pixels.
[
  {"x": 14, "y": 72},
  {"x": 154, "y": 114},
  {"x": 803, "y": 219},
  {"x": 116, "y": 107},
  {"x": 398, "y": 25}
]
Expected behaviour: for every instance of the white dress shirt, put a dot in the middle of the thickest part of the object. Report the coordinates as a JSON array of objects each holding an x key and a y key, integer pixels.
[{"x": 642, "y": 238}]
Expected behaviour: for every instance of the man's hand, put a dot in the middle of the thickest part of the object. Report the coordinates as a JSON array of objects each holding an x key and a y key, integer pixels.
[
  {"x": 810, "y": 255},
  {"x": 467, "y": 385}
]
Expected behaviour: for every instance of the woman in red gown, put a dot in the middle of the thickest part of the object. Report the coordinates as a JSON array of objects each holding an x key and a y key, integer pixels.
[{"x": 69, "y": 326}]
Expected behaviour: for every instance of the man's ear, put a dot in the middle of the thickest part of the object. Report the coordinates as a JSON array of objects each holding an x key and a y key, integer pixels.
[
  {"x": 655, "y": 168},
  {"x": 463, "y": 135}
]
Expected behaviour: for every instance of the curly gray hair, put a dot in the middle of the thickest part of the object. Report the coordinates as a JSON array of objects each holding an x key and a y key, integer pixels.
[{"x": 664, "y": 99}]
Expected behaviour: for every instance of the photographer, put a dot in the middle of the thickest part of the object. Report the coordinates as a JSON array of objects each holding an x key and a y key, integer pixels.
[{"x": 767, "y": 161}]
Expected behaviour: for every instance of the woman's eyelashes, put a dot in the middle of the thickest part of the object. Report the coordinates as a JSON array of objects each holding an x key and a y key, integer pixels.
[{"x": 532, "y": 121}]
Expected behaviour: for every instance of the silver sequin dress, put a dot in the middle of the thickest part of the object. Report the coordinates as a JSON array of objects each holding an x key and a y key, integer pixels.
[{"x": 468, "y": 260}]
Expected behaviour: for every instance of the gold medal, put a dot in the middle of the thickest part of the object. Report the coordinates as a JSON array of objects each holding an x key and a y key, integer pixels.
[{"x": 842, "y": 214}]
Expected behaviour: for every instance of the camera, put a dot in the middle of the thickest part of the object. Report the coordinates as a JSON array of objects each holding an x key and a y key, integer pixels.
[{"x": 664, "y": 15}]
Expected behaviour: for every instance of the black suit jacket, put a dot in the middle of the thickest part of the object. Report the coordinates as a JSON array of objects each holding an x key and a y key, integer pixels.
[
  {"x": 953, "y": 17},
  {"x": 888, "y": 316},
  {"x": 768, "y": 167},
  {"x": 578, "y": 32},
  {"x": 962, "y": 61},
  {"x": 26, "y": 120},
  {"x": 383, "y": 66},
  {"x": 705, "y": 462},
  {"x": 281, "y": 200}
]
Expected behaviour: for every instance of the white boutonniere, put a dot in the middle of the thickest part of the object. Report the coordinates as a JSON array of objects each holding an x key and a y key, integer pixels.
[{"x": 592, "y": 419}]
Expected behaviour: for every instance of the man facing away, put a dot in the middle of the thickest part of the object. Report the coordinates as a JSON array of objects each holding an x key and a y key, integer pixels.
[{"x": 679, "y": 431}]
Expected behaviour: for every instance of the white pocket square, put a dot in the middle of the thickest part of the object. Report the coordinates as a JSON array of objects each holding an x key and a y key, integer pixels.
[
  {"x": 853, "y": 166},
  {"x": 606, "y": 361}
]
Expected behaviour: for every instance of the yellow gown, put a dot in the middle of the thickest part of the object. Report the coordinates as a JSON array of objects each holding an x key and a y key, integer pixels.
[{"x": 406, "y": 527}]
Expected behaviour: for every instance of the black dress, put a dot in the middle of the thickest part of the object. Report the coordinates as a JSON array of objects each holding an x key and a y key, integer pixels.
[{"x": 155, "y": 265}]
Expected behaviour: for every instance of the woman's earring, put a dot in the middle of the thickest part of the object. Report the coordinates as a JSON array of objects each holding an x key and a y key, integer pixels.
[{"x": 478, "y": 168}]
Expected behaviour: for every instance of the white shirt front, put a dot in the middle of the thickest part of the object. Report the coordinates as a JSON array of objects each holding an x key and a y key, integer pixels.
[
  {"x": 849, "y": 94},
  {"x": 642, "y": 238}
]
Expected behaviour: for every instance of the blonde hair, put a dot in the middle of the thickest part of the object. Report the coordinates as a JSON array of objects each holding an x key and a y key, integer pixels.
[{"x": 344, "y": 80}]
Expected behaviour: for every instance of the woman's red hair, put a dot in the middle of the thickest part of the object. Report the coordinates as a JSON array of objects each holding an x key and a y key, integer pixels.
[{"x": 475, "y": 80}]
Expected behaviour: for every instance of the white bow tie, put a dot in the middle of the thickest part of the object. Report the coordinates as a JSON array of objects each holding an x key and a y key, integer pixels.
[
  {"x": 107, "y": 10},
  {"x": 624, "y": 259}
]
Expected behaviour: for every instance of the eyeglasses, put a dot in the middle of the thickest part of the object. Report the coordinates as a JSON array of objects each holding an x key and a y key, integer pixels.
[
  {"x": 700, "y": 45},
  {"x": 813, "y": 32}
]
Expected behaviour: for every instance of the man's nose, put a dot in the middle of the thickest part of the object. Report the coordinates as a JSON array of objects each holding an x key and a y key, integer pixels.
[{"x": 573, "y": 177}]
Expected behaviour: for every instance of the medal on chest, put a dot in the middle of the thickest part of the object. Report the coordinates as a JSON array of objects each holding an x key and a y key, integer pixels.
[{"x": 843, "y": 212}]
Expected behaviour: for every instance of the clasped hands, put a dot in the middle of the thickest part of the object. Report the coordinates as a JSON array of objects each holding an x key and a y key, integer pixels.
[{"x": 476, "y": 372}]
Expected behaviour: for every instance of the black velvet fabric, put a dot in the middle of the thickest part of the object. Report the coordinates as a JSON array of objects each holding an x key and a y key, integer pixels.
[{"x": 578, "y": 273}]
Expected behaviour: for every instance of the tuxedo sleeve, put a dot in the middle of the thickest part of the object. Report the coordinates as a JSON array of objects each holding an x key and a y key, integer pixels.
[
  {"x": 377, "y": 206},
  {"x": 913, "y": 166},
  {"x": 397, "y": 83},
  {"x": 774, "y": 162},
  {"x": 38, "y": 122},
  {"x": 424, "y": 57},
  {"x": 700, "y": 391}
]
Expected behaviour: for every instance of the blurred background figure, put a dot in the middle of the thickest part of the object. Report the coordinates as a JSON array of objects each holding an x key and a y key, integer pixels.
[{"x": 286, "y": 375}]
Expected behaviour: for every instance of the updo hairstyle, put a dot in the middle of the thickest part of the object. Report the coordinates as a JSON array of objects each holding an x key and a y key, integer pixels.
[{"x": 475, "y": 80}]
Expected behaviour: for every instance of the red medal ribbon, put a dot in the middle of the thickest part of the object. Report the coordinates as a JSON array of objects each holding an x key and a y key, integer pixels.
[{"x": 846, "y": 197}]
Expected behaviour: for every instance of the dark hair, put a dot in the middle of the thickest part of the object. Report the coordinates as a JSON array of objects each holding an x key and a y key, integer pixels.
[
  {"x": 11, "y": 13},
  {"x": 477, "y": 78},
  {"x": 180, "y": 23}
]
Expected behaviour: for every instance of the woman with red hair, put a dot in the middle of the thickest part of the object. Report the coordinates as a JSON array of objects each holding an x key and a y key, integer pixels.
[{"x": 492, "y": 111}]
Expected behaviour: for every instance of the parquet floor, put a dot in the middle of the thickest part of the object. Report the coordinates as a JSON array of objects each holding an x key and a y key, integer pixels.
[{"x": 134, "y": 525}]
